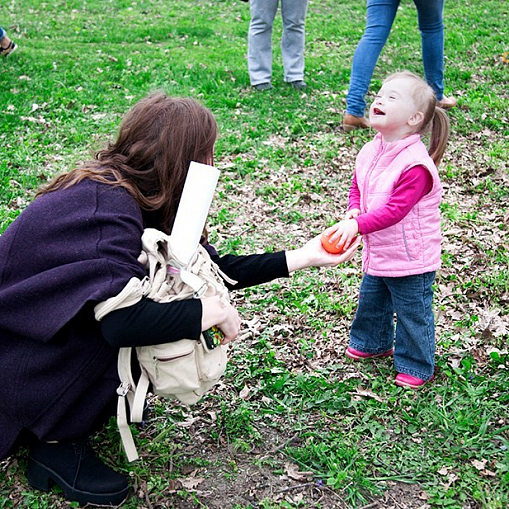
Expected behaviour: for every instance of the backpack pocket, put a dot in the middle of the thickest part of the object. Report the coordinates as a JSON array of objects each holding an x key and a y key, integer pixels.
[{"x": 183, "y": 369}]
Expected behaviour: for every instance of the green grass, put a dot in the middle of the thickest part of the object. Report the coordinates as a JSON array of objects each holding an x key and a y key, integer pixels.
[{"x": 289, "y": 397}]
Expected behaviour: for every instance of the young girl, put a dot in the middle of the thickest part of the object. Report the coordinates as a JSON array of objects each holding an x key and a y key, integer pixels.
[
  {"x": 394, "y": 204},
  {"x": 77, "y": 244}
]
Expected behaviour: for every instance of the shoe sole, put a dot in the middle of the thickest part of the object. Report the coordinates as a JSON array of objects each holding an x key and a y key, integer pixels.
[
  {"x": 374, "y": 356},
  {"x": 413, "y": 386},
  {"x": 42, "y": 478}
]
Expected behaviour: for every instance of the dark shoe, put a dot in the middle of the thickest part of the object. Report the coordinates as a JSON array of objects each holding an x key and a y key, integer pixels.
[
  {"x": 5, "y": 52},
  {"x": 447, "y": 103},
  {"x": 75, "y": 468},
  {"x": 262, "y": 87},
  {"x": 351, "y": 122},
  {"x": 299, "y": 84}
]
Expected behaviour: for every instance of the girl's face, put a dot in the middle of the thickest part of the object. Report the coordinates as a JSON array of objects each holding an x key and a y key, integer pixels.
[{"x": 394, "y": 113}]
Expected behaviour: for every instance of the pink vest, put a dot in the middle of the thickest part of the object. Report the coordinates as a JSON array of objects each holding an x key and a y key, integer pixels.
[{"x": 411, "y": 246}]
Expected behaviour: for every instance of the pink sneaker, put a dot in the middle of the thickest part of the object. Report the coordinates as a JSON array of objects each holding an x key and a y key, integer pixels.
[
  {"x": 404, "y": 380},
  {"x": 357, "y": 355}
]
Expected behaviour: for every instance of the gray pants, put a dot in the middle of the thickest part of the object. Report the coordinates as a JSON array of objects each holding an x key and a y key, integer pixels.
[{"x": 259, "y": 54}]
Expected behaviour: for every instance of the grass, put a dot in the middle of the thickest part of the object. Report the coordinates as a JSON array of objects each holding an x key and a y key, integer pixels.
[{"x": 289, "y": 401}]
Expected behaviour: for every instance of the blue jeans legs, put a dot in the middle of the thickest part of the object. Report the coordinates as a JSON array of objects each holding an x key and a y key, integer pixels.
[
  {"x": 259, "y": 54},
  {"x": 410, "y": 298},
  {"x": 379, "y": 20}
]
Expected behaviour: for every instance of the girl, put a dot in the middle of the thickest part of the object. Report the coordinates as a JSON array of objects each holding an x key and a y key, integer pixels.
[
  {"x": 394, "y": 204},
  {"x": 77, "y": 245}
]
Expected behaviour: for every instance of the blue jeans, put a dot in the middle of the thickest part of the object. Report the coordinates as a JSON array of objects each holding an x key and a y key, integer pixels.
[
  {"x": 380, "y": 17},
  {"x": 259, "y": 54},
  {"x": 372, "y": 330},
  {"x": 2, "y": 33}
]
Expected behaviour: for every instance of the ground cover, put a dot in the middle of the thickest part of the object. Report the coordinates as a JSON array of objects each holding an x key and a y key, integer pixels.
[{"x": 293, "y": 423}]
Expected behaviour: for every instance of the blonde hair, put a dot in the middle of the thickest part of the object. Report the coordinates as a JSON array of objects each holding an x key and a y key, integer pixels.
[{"x": 435, "y": 120}]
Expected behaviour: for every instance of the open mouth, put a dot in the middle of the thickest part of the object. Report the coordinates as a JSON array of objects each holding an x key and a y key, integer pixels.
[{"x": 377, "y": 111}]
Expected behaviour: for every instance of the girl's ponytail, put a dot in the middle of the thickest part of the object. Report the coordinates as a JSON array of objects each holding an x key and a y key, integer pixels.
[{"x": 439, "y": 135}]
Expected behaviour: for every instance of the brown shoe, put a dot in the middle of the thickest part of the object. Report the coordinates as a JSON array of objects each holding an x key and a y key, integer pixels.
[
  {"x": 447, "y": 102},
  {"x": 351, "y": 122}
]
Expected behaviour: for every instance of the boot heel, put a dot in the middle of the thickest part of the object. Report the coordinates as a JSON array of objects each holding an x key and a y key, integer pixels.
[{"x": 38, "y": 476}]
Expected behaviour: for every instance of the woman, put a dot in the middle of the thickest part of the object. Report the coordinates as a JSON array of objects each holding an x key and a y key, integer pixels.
[{"x": 77, "y": 245}]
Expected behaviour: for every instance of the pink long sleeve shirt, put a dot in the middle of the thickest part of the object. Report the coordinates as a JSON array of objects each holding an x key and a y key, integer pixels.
[{"x": 410, "y": 188}]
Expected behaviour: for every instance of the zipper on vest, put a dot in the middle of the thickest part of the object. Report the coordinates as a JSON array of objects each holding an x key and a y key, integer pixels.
[{"x": 372, "y": 166}]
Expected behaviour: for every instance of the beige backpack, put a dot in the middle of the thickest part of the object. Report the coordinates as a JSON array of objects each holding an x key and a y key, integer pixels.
[{"x": 184, "y": 369}]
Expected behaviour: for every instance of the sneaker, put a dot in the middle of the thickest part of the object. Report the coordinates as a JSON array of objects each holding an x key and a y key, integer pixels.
[
  {"x": 299, "y": 84},
  {"x": 262, "y": 87},
  {"x": 447, "y": 103},
  {"x": 5, "y": 52},
  {"x": 404, "y": 380},
  {"x": 73, "y": 466},
  {"x": 351, "y": 122},
  {"x": 357, "y": 355}
]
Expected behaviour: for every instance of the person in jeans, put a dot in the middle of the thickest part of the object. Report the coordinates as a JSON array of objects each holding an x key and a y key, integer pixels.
[
  {"x": 394, "y": 203},
  {"x": 380, "y": 17},
  {"x": 259, "y": 55},
  {"x": 6, "y": 45}
]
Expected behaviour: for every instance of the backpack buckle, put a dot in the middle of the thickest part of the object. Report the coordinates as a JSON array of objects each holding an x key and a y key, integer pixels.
[{"x": 123, "y": 389}]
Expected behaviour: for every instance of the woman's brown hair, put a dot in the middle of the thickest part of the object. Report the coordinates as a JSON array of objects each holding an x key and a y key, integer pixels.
[
  {"x": 157, "y": 140},
  {"x": 435, "y": 120}
]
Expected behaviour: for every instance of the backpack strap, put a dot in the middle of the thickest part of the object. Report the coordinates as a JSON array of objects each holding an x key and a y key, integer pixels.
[{"x": 126, "y": 395}]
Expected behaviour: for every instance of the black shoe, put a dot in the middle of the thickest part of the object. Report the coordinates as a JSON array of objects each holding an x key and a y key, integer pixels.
[
  {"x": 299, "y": 84},
  {"x": 262, "y": 87},
  {"x": 74, "y": 467}
]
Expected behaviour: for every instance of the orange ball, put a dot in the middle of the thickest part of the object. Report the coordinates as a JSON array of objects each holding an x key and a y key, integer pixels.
[{"x": 329, "y": 246}]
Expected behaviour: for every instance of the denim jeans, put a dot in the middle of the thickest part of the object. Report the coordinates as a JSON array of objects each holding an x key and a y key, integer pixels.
[
  {"x": 380, "y": 17},
  {"x": 2, "y": 33},
  {"x": 372, "y": 330},
  {"x": 259, "y": 54}
]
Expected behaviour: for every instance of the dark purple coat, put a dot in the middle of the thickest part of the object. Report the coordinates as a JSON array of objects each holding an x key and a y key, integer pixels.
[
  {"x": 66, "y": 252},
  {"x": 69, "y": 250}
]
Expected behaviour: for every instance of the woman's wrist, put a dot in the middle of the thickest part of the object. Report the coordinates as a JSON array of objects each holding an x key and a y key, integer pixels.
[{"x": 297, "y": 259}]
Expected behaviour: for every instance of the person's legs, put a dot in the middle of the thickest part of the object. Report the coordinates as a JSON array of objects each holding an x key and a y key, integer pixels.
[
  {"x": 293, "y": 13},
  {"x": 431, "y": 26},
  {"x": 2, "y": 33},
  {"x": 379, "y": 19},
  {"x": 259, "y": 52},
  {"x": 414, "y": 352},
  {"x": 372, "y": 329}
]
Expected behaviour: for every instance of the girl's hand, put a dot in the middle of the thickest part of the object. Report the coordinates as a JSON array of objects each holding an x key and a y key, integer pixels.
[
  {"x": 223, "y": 316},
  {"x": 352, "y": 213},
  {"x": 343, "y": 233},
  {"x": 312, "y": 254}
]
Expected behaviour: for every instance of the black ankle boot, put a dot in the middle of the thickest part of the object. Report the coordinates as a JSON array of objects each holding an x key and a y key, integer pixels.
[{"x": 74, "y": 467}]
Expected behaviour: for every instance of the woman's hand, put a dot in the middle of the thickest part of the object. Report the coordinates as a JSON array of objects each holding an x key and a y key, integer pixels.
[
  {"x": 222, "y": 315},
  {"x": 312, "y": 254}
]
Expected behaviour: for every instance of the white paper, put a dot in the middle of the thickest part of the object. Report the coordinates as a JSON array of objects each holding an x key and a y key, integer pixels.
[{"x": 193, "y": 210}]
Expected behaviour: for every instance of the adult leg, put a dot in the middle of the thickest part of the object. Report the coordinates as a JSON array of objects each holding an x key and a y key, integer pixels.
[
  {"x": 431, "y": 26},
  {"x": 64, "y": 457},
  {"x": 379, "y": 19},
  {"x": 2, "y": 33},
  {"x": 372, "y": 330},
  {"x": 414, "y": 352},
  {"x": 259, "y": 51},
  {"x": 293, "y": 13}
]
